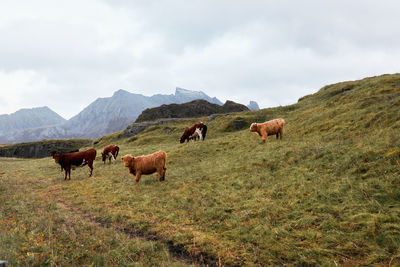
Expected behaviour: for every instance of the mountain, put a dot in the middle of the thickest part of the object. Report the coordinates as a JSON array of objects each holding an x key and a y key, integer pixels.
[
  {"x": 184, "y": 95},
  {"x": 115, "y": 113},
  {"x": 29, "y": 118},
  {"x": 253, "y": 106},
  {"x": 103, "y": 116},
  {"x": 191, "y": 109}
]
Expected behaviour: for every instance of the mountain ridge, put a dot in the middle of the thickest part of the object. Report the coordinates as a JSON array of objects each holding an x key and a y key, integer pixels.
[
  {"x": 29, "y": 118},
  {"x": 103, "y": 116},
  {"x": 191, "y": 109}
]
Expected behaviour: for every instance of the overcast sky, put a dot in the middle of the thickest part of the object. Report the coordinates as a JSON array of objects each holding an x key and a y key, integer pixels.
[{"x": 65, "y": 54}]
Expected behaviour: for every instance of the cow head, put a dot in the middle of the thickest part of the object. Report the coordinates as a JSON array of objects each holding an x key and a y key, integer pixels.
[
  {"x": 253, "y": 127},
  {"x": 103, "y": 157},
  {"x": 57, "y": 157},
  {"x": 182, "y": 140},
  {"x": 127, "y": 160}
]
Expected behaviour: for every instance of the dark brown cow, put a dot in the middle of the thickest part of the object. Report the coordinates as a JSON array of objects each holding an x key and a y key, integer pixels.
[
  {"x": 191, "y": 130},
  {"x": 110, "y": 151},
  {"x": 81, "y": 158}
]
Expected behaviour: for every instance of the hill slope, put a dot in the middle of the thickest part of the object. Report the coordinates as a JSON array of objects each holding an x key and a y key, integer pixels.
[{"x": 327, "y": 193}]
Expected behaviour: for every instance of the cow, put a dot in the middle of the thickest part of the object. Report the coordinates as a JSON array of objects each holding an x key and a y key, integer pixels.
[
  {"x": 191, "y": 130},
  {"x": 272, "y": 127},
  {"x": 78, "y": 159},
  {"x": 148, "y": 164},
  {"x": 110, "y": 151}
]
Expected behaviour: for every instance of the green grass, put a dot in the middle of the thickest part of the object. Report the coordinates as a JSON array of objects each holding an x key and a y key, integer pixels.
[
  {"x": 37, "y": 228},
  {"x": 327, "y": 193}
]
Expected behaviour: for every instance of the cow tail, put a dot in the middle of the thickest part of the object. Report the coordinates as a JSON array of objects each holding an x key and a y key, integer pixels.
[{"x": 117, "y": 150}]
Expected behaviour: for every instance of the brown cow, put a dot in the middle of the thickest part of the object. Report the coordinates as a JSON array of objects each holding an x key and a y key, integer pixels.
[
  {"x": 272, "y": 127},
  {"x": 81, "y": 158},
  {"x": 110, "y": 151},
  {"x": 148, "y": 164},
  {"x": 192, "y": 129}
]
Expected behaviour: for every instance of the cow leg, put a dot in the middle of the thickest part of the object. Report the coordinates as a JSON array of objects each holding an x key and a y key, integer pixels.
[
  {"x": 161, "y": 174},
  {"x": 137, "y": 177},
  {"x": 66, "y": 173},
  {"x": 277, "y": 135},
  {"x": 109, "y": 157},
  {"x": 90, "y": 165},
  {"x": 264, "y": 137},
  {"x": 281, "y": 133}
]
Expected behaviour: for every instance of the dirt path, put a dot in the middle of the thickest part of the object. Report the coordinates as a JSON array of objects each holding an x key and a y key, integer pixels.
[{"x": 178, "y": 253}]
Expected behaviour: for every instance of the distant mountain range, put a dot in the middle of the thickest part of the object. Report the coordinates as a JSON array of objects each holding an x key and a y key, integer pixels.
[
  {"x": 103, "y": 116},
  {"x": 29, "y": 118}
]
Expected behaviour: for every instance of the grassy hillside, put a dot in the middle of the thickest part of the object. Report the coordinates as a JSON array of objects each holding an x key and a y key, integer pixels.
[{"x": 328, "y": 193}]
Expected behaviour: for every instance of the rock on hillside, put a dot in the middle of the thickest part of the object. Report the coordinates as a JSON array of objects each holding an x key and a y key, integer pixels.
[{"x": 192, "y": 109}]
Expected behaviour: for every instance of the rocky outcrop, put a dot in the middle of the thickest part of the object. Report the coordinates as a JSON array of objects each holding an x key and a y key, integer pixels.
[
  {"x": 192, "y": 109},
  {"x": 138, "y": 127},
  {"x": 42, "y": 149}
]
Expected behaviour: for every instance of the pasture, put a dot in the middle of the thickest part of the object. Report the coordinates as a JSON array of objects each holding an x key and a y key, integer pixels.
[{"x": 328, "y": 193}]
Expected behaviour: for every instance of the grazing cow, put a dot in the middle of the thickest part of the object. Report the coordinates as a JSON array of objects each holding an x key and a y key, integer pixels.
[
  {"x": 191, "y": 130},
  {"x": 110, "y": 151},
  {"x": 272, "y": 127},
  {"x": 81, "y": 158},
  {"x": 148, "y": 164}
]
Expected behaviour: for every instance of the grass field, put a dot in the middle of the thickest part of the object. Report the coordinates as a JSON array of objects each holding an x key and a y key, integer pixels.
[{"x": 327, "y": 194}]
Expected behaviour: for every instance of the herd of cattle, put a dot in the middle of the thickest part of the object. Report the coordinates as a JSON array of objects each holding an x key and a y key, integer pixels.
[{"x": 156, "y": 162}]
